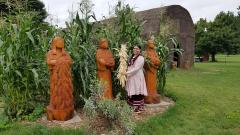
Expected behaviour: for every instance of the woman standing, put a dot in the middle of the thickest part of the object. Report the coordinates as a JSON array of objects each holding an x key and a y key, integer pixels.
[{"x": 136, "y": 86}]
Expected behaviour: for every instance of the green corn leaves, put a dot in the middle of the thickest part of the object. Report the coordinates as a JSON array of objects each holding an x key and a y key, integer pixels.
[
  {"x": 79, "y": 42},
  {"x": 23, "y": 71}
]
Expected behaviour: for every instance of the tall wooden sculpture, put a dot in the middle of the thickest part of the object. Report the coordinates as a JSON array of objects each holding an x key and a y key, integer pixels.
[
  {"x": 151, "y": 74},
  {"x": 105, "y": 63},
  {"x": 61, "y": 88}
]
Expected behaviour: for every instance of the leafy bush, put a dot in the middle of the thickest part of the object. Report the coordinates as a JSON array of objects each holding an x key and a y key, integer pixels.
[
  {"x": 116, "y": 112},
  {"x": 4, "y": 123},
  {"x": 37, "y": 112}
]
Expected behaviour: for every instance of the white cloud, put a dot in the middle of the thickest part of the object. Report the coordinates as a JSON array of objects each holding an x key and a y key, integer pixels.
[{"x": 58, "y": 9}]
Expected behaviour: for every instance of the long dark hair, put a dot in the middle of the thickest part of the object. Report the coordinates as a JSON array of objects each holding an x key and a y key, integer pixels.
[{"x": 132, "y": 59}]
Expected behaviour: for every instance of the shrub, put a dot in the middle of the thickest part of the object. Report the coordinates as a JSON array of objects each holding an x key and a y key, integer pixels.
[
  {"x": 116, "y": 112},
  {"x": 4, "y": 123}
]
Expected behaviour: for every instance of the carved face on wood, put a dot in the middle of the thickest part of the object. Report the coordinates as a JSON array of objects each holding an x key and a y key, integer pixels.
[
  {"x": 103, "y": 43},
  {"x": 58, "y": 42},
  {"x": 150, "y": 44}
]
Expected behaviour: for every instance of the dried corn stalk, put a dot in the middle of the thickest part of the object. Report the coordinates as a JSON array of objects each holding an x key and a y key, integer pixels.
[{"x": 122, "y": 69}]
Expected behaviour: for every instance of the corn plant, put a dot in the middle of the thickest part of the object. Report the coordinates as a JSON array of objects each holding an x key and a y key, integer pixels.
[
  {"x": 129, "y": 28},
  {"x": 79, "y": 41},
  {"x": 163, "y": 43},
  {"x": 166, "y": 45},
  {"x": 24, "y": 74}
]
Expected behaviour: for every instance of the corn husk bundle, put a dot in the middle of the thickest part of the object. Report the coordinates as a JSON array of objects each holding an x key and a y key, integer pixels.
[{"x": 122, "y": 69}]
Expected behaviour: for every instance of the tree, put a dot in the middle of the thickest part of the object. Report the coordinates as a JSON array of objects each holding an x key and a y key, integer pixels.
[
  {"x": 12, "y": 6},
  {"x": 225, "y": 27},
  {"x": 238, "y": 29},
  {"x": 206, "y": 42},
  {"x": 219, "y": 36},
  {"x": 238, "y": 11},
  {"x": 200, "y": 28}
]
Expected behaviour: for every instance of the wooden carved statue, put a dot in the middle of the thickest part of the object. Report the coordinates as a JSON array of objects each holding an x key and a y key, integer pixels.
[
  {"x": 151, "y": 74},
  {"x": 61, "y": 98},
  {"x": 105, "y": 63}
]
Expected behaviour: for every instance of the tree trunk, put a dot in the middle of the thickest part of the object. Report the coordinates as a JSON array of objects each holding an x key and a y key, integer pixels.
[{"x": 213, "y": 57}]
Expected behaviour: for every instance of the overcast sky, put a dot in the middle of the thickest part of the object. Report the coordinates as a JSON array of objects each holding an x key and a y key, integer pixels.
[{"x": 59, "y": 9}]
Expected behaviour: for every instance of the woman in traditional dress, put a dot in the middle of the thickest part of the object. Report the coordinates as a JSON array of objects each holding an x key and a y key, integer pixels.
[{"x": 136, "y": 86}]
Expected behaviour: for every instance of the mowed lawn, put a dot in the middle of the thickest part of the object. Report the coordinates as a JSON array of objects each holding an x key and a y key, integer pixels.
[{"x": 207, "y": 103}]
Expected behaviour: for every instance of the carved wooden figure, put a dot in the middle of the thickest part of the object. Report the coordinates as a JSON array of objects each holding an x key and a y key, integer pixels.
[
  {"x": 151, "y": 74},
  {"x": 105, "y": 64},
  {"x": 61, "y": 98}
]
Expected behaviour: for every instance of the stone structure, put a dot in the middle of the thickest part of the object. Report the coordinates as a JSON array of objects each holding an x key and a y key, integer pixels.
[
  {"x": 61, "y": 99},
  {"x": 151, "y": 74},
  {"x": 105, "y": 64},
  {"x": 183, "y": 27}
]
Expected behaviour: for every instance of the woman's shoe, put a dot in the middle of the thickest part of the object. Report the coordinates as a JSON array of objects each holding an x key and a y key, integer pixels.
[
  {"x": 137, "y": 110},
  {"x": 141, "y": 108}
]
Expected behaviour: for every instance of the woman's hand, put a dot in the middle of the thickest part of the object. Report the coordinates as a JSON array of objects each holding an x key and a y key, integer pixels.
[{"x": 127, "y": 74}]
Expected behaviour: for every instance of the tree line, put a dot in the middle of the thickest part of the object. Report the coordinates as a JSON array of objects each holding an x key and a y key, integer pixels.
[
  {"x": 222, "y": 35},
  {"x": 10, "y": 7}
]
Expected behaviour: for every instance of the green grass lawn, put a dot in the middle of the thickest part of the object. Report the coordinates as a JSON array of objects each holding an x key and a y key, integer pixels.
[
  {"x": 18, "y": 129},
  {"x": 207, "y": 103}
]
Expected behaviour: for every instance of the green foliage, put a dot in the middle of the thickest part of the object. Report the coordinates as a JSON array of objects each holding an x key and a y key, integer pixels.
[
  {"x": 166, "y": 46},
  {"x": 129, "y": 28},
  {"x": 200, "y": 29},
  {"x": 219, "y": 36},
  {"x": 116, "y": 112},
  {"x": 37, "y": 112},
  {"x": 4, "y": 123},
  {"x": 238, "y": 11},
  {"x": 11, "y": 7},
  {"x": 235, "y": 115},
  {"x": 23, "y": 71},
  {"x": 79, "y": 42},
  {"x": 165, "y": 53}
]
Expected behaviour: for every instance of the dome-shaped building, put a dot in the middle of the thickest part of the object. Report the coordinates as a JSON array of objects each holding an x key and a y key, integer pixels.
[{"x": 182, "y": 25}]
